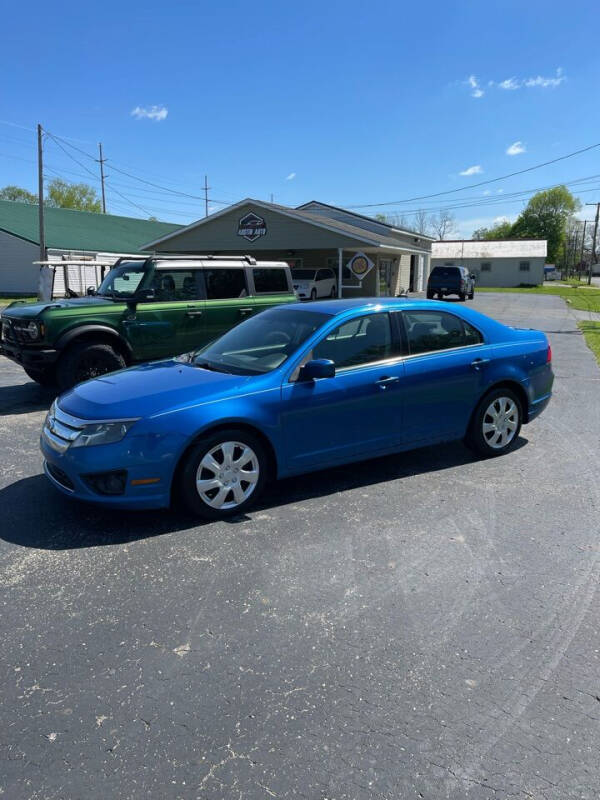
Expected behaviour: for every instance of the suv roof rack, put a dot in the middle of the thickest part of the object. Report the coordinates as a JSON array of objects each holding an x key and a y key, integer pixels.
[{"x": 192, "y": 256}]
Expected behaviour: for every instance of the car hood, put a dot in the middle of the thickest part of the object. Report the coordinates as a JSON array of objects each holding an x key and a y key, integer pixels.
[
  {"x": 150, "y": 389},
  {"x": 32, "y": 310}
]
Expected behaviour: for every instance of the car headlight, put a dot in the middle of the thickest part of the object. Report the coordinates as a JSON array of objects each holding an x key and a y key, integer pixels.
[
  {"x": 33, "y": 329},
  {"x": 102, "y": 433}
]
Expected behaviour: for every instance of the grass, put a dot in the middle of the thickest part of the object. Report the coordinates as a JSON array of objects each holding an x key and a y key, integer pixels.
[
  {"x": 4, "y": 301},
  {"x": 591, "y": 332},
  {"x": 583, "y": 298}
]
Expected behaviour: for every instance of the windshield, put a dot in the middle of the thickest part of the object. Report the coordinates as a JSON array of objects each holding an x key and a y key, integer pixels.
[
  {"x": 303, "y": 274},
  {"x": 122, "y": 281},
  {"x": 261, "y": 343}
]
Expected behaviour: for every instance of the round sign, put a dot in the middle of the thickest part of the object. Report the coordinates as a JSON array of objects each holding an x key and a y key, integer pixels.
[{"x": 359, "y": 266}]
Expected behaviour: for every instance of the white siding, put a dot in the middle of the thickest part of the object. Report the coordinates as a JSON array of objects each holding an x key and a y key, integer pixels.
[
  {"x": 18, "y": 273},
  {"x": 504, "y": 271}
]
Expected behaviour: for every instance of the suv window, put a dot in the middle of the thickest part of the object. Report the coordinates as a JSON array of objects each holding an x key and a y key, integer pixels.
[
  {"x": 446, "y": 272},
  {"x": 224, "y": 283},
  {"x": 437, "y": 330},
  {"x": 359, "y": 341},
  {"x": 122, "y": 281},
  {"x": 270, "y": 279},
  {"x": 176, "y": 284}
]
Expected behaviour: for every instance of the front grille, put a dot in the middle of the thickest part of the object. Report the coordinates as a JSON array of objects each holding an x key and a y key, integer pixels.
[
  {"x": 61, "y": 429},
  {"x": 60, "y": 476},
  {"x": 14, "y": 332}
]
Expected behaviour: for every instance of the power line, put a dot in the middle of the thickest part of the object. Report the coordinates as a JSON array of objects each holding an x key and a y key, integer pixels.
[{"x": 481, "y": 183}]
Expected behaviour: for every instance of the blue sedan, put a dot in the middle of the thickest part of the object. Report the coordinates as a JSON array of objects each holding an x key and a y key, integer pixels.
[{"x": 294, "y": 389}]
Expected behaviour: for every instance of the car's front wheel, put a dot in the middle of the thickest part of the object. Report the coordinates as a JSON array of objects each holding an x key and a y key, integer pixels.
[
  {"x": 85, "y": 360},
  {"x": 496, "y": 423},
  {"x": 223, "y": 474}
]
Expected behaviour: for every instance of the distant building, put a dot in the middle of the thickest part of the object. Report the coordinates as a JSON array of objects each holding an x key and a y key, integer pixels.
[
  {"x": 495, "y": 262},
  {"x": 80, "y": 236},
  {"x": 313, "y": 236}
]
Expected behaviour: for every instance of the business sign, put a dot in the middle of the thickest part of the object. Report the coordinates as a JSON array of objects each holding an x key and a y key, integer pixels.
[
  {"x": 252, "y": 227},
  {"x": 360, "y": 265}
]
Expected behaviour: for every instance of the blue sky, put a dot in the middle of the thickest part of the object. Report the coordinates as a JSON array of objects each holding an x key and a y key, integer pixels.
[{"x": 348, "y": 102}]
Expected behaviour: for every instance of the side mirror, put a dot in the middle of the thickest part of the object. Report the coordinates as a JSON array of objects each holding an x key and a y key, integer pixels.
[
  {"x": 473, "y": 276},
  {"x": 90, "y": 291},
  {"x": 318, "y": 368}
]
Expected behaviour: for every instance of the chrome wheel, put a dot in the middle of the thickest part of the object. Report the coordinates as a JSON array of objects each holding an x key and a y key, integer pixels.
[
  {"x": 500, "y": 422},
  {"x": 227, "y": 475}
]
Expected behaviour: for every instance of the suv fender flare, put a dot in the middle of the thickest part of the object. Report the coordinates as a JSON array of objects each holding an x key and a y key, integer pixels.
[{"x": 74, "y": 334}]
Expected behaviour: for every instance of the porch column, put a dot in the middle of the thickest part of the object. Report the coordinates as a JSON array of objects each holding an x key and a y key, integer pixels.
[{"x": 340, "y": 265}]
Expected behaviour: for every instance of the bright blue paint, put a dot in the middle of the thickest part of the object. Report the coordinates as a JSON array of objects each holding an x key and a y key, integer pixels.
[{"x": 310, "y": 426}]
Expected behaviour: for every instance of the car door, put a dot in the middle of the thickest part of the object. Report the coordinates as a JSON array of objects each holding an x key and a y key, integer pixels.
[
  {"x": 356, "y": 412},
  {"x": 445, "y": 374},
  {"x": 171, "y": 321},
  {"x": 228, "y": 300}
]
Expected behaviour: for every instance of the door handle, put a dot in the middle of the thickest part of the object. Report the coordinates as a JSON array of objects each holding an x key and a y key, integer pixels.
[
  {"x": 479, "y": 362},
  {"x": 193, "y": 313},
  {"x": 243, "y": 311},
  {"x": 384, "y": 382}
]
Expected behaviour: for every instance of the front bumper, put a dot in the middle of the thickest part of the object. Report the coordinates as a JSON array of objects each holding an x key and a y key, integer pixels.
[
  {"x": 28, "y": 356},
  {"x": 140, "y": 458}
]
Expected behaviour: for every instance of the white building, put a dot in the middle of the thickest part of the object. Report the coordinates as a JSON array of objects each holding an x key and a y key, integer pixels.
[{"x": 495, "y": 262}]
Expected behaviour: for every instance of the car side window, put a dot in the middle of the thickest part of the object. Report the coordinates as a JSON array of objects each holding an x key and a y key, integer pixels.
[
  {"x": 360, "y": 341},
  {"x": 176, "y": 284},
  {"x": 322, "y": 275},
  {"x": 429, "y": 331},
  {"x": 270, "y": 279},
  {"x": 225, "y": 283}
]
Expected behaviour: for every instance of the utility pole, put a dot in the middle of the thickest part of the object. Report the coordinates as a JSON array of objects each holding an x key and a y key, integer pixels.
[
  {"x": 271, "y": 196},
  {"x": 206, "y": 188},
  {"x": 593, "y": 259},
  {"x": 101, "y": 161},
  {"x": 41, "y": 194},
  {"x": 582, "y": 248}
]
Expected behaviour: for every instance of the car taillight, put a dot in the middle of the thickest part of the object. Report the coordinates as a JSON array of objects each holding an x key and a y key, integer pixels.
[{"x": 549, "y": 354}]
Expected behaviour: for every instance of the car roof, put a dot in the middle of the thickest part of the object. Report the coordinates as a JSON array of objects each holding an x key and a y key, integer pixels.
[{"x": 335, "y": 307}]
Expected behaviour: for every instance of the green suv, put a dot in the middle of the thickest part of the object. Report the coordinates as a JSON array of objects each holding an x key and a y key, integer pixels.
[{"x": 144, "y": 309}]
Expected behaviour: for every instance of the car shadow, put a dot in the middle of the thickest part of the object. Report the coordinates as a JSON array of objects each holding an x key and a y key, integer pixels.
[
  {"x": 23, "y": 398},
  {"x": 56, "y": 522}
]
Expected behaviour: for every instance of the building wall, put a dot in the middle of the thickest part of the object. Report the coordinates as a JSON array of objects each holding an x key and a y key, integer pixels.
[
  {"x": 503, "y": 272},
  {"x": 18, "y": 273}
]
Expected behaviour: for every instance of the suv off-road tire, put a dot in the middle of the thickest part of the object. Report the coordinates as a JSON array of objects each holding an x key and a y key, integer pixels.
[
  {"x": 85, "y": 360},
  {"x": 45, "y": 377}
]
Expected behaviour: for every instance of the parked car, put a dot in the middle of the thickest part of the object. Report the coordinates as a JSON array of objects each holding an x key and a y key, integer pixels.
[
  {"x": 444, "y": 281},
  {"x": 144, "y": 309},
  {"x": 310, "y": 284},
  {"x": 297, "y": 388}
]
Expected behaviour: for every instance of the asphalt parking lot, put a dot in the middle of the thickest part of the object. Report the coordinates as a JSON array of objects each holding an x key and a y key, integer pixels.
[{"x": 422, "y": 626}]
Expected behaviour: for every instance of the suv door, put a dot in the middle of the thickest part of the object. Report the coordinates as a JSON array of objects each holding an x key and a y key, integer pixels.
[
  {"x": 271, "y": 286},
  {"x": 359, "y": 410},
  {"x": 172, "y": 321},
  {"x": 227, "y": 299},
  {"x": 445, "y": 374}
]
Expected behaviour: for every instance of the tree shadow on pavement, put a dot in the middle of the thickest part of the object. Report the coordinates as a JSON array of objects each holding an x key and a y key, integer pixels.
[{"x": 35, "y": 514}]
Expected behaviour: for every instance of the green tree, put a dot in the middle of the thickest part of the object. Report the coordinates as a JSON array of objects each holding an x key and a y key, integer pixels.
[
  {"x": 501, "y": 230},
  {"x": 17, "y": 195},
  {"x": 79, "y": 196},
  {"x": 545, "y": 217}
]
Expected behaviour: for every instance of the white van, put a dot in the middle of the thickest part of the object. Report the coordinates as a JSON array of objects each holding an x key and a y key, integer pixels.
[{"x": 311, "y": 283}]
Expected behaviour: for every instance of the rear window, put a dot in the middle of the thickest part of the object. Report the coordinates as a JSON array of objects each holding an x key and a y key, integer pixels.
[
  {"x": 270, "y": 280},
  {"x": 222, "y": 284},
  {"x": 445, "y": 272}
]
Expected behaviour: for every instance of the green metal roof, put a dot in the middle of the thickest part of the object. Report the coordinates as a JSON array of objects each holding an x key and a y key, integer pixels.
[{"x": 67, "y": 229}]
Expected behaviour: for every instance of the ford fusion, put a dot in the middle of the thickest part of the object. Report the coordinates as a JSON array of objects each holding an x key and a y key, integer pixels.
[{"x": 294, "y": 389}]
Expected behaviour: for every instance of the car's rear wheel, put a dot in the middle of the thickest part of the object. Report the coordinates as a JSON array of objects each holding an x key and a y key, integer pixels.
[
  {"x": 430, "y": 295},
  {"x": 45, "y": 377},
  {"x": 313, "y": 294},
  {"x": 471, "y": 295},
  {"x": 223, "y": 474},
  {"x": 333, "y": 292},
  {"x": 496, "y": 423},
  {"x": 462, "y": 296},
  {"x": 85, "y": 360}
]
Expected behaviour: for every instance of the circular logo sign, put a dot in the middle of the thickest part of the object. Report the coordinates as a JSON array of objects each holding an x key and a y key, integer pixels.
[{"x": 359, "y": 265}]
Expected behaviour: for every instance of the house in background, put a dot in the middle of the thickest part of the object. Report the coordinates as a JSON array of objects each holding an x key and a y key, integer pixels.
[
  {"x": 314, "y": 235},
  {"x": 495, "y": 262},
  {"x": 90, "y": 240}
]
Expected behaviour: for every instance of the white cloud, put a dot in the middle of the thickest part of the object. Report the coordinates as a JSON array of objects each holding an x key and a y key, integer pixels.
[
  {"x": 474, "y": 170},
  {"x": 500, "y": 191},
  {"x": 546, "y": 83},
  {"x": 473, "y": 83},
  {"x": 515, "y": 149},
  {"x": 510, "y": 83},
  {"x": 291, "y": 176},
  {"x": 156, "y": 113},
  {"x": 487, "y": 191}
]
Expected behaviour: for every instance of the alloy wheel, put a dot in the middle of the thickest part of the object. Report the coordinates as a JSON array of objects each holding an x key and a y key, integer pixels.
[
  {"x": 500, "y": 422},
  {"x": 227, "y": 475}
]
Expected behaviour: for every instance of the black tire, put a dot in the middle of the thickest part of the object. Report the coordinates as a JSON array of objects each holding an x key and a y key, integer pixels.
[
  {"x": 85, "y": 360},
  {"x": 45, "y": 377},
  {"x": 471, "y": 295},
  {"x": 333, "y": 292},
  {"x": 476, "y": 438},
  {"x": 462, "y": 297},
  {"x": 430, "y": 295},
  {"x": 187, "y": 475},
  {"x": 313, "y": 294}
]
